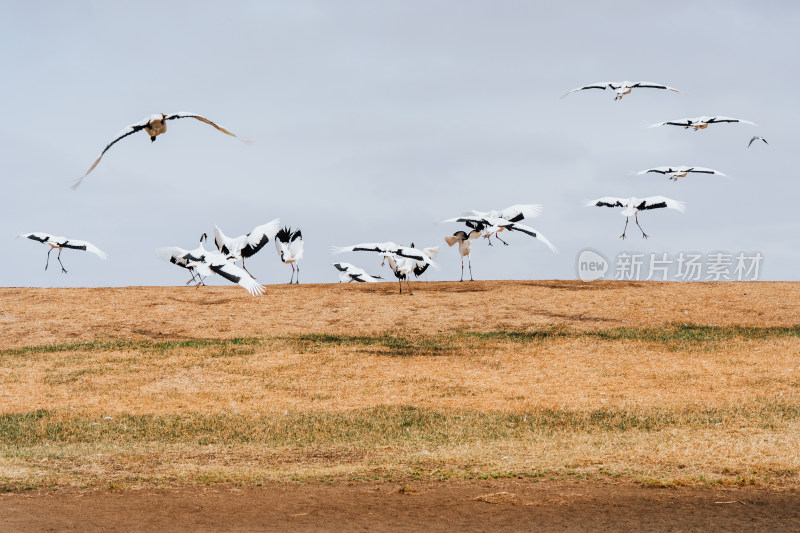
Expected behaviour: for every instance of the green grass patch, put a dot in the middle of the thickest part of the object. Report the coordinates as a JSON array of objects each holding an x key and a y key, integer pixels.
[
  {"x": 369, "y": 427},
  {"x": 673, "y": 337},
  {"x": 123, "y": 344},
  {"x": 386, "y": 344}
]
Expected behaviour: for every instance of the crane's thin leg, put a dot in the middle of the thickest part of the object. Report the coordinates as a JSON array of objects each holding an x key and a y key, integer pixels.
[
  {"x": 470, "y": 267},
  {"x": 489, "y": 238},
  {"x": 245, "y": 269},
  {"x": 64, "y": 270},
  {"x": 400, "y": 282},
  {"x": 48, "y": 258},
  {"x": 626, "y": 228},
  {"x": 644, "y": 235},
  {"x": 462, "y": 269},
  {"x": 499, "y": 239},
  {"x": 297, "y": 279},
  {"x": 408, "y": 283}
]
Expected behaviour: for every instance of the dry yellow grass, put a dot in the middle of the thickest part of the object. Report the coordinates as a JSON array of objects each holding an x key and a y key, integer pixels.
[{"x": 356, "y": 382}]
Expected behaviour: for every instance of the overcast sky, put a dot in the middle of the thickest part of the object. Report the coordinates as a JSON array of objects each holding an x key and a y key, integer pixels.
[{"x": 374, "y": 119}]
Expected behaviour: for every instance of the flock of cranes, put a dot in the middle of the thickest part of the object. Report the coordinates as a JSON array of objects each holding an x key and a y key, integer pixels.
[
  {"x": 203, "y": 263},
  {"x": 632, "y": 206},
  {"x": 404, "y": 261}
]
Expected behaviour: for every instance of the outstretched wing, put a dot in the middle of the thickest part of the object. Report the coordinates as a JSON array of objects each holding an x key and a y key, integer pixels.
[
  {"x": 432, "y": 252},
  {"x": 130, "y": 130},
  {"x": 685, "y": 122},
  {"x": 176, "y": 256},
  {"x": 660, "y": 202},
  {"x": 518, "y": 212},
  {"x": 603, "y": 85},
  {"x": 704, "y": 170},
  {"x": 651, "y": 85},
  {"x": 86, "y": 246},
  {"x": 719, "y": 120},
  {"x": 256, "y": 239},
  {"x": 184, "y": 114},
  {"x": 384, "y": 248},
  {"x": 659, "y": 170},
  {"x": 39, "y": 236},
  {"x": 236, "y": 275},
  {"x": 381, "y": 247},
  {"x": 470, "y": 220},
  {"x": 351, "y": 272},
  {"x": 516, "y": 226},
  {"x": 220, "y": 239},
  {"x": 606, "y": 201}
]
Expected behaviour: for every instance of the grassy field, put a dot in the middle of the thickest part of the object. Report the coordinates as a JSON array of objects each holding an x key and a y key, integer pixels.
[{"x": 660, "y": 384}]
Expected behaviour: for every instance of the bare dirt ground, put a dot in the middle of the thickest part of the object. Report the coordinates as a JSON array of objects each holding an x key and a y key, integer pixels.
[
  {"x": 457, "y": 506},
  {"x": 617, "y": 402}
]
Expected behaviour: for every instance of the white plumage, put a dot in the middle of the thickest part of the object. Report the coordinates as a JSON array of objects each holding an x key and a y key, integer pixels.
[
  {"x": 210, "y": 262},
  {"x": 289, "y": 245},
  {"x": 489, "y": 226},
  {"x": 349, "y": 273},
  {"x": 621, "y": 88},
  {"x": 59, "y": 243},
  {"x": 464, "y": 241},
  {"x": 674, "y": 173},
  {"x": 244, "y": 246},
  {"x": 514, "y": 213},
  {"x": 154, "y": 125},
  {"x": 701, "y": 122},
  {"x": 403, "y": 260},
  {"x": 182, "y": 258},
  {"x": 217, "y": 263},
  {"x": 632, "y": 206},
  {"x": 384, "y": 248}
]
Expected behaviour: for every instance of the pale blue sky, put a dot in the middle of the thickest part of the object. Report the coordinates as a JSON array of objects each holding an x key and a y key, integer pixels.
[{"x": 373, "y": 119}]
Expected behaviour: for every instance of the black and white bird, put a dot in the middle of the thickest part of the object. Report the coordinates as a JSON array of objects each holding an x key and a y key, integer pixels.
[
  {"x": 60, "y": 243},
  {"x": 622, "y": 88},
  {"x": 211, "y": 262},
  {"x": 349, "y": 273},
  {"x": 154, "y": 125},
  {"x": 632, "y": 206},
  {"x": 290, "y": 247},
  {"x": 514, "y": 213},
  {"x": 182, "y": 258},
  {"x": 489, "y": 226},
  {"x": 403, "y": 267},
  {"x": 403, "y": 260},
  {"x": 245, "y": 246},
  {"x": 700, "y": 123},
  {"x": 756, "y": 138},
  {"x": 674, "y": 173},
  {"x": 420, "y": 266},
  {"x": 464, "y": 241}
]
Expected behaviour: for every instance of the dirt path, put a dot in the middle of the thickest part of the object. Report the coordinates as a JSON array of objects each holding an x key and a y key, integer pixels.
[{"x": 508, "y": 505}]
